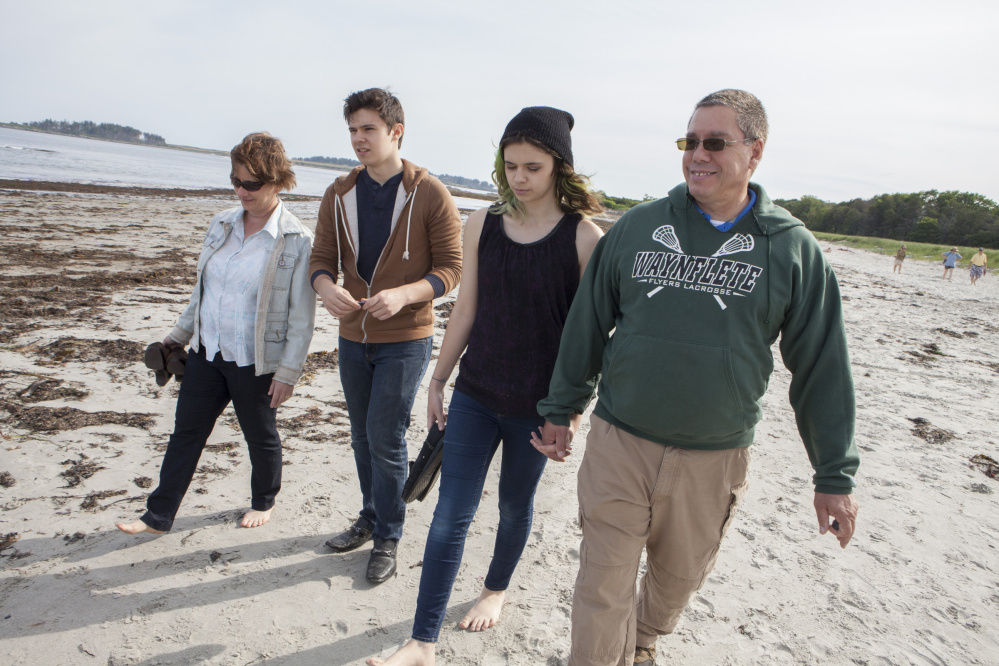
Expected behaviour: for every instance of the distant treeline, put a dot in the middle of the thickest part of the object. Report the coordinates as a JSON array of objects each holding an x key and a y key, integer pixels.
[
  {"x": 461, "y": 181},
  {"x": 621, "y": 203},
  {"x": 98, "y": 131},
  {"x": 338, "y": 161},
  {"x": 447, "y": 179},
  {"x": 948, "y": 218}
]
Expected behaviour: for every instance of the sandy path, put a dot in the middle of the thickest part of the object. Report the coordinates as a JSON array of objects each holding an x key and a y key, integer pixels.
[{"x": 919, "y": 584}]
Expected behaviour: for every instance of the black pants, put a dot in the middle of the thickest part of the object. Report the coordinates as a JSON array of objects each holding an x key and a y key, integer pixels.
[{"x": 207, "y": 388}]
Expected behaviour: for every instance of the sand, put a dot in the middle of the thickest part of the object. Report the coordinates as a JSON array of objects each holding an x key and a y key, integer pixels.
[{"x": 89, "y": 278}]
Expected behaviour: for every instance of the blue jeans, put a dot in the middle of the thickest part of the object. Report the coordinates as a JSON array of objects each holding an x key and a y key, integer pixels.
[
  {"x": 380, "y": 381},
  {"x": 207, "y": 388},
  {"x": 471, "y": 438}
]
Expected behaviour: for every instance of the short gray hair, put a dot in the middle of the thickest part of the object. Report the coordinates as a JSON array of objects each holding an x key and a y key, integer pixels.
[{"x": 751, "y": 117}]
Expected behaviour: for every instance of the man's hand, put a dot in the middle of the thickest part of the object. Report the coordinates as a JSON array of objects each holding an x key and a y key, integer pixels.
[
  {"x": 337, "y": 300},
  {"x": 556, "y": 441},
  {"x": 387, "y": 302},
  {"x": 279, "y": 392},
  {"x": 842, "y": 510}
]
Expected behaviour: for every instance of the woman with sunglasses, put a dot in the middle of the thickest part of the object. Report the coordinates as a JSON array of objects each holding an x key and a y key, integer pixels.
[
  {"x": 249, "y": 324},
  {"x": 523, "y": 258}
]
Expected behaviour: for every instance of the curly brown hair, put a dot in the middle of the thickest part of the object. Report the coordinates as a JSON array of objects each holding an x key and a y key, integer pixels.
[{"x": 264, "y": 157}]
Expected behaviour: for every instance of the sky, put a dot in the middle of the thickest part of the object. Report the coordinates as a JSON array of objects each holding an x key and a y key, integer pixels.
[{"x": 863, "y": 98}]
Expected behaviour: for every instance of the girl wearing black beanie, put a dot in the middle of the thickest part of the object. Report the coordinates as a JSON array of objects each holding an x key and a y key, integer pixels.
[{"x": 522, "y": 261}]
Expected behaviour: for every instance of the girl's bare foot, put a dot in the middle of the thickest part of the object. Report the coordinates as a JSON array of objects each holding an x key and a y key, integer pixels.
[
  {"x": 136, "y": 528},
  {"x": 256, "y": 518},
  {"x": 486, "y": 611},
  {"x": 413, "y": 653}
]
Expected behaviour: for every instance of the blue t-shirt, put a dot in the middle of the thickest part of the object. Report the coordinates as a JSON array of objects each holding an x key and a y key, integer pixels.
[
  {"x": 375, "y": 205},
  {"x": 950, "y": 259}
]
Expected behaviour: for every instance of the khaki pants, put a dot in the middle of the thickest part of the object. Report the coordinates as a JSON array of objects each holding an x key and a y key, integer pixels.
[{"x": 634, "y": 494}]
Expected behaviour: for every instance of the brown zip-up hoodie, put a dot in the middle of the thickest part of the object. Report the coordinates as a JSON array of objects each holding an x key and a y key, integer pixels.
[{"x": 425, "y": 239}]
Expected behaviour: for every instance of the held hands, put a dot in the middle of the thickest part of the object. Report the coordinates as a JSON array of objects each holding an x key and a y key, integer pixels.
[
  {"x": 842, "y": 510},
  {"x": 279, "y": 392},
  {"x": 556, "y": 441}
]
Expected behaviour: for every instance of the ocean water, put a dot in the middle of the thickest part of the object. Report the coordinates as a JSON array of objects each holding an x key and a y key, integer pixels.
[{"x": 68, "y": 159}]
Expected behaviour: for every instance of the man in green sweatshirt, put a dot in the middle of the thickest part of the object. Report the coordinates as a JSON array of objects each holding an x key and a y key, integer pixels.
[{"x": 673, "y": 325}]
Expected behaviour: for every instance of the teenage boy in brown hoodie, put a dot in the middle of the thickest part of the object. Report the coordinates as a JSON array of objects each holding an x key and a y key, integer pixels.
[{"x": 392, "y": 231}]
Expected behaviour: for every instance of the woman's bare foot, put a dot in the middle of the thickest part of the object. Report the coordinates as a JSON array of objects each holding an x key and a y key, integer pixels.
[
  {"x": 136, "y": 528},
  {"x": 254, "y": 518},
  {"x": 486, "y": 611},
  {"x": 413, "y": 653}
]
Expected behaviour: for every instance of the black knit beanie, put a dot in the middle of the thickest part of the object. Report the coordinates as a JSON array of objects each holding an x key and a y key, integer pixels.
[{"x": 544, "y": 124}]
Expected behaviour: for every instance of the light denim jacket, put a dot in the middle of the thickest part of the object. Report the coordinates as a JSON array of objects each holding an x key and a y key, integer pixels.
[{"x": 286, "y": 304}]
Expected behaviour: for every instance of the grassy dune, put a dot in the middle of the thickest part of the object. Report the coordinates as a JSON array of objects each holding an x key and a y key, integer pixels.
[{"x": 920, "y": 251}]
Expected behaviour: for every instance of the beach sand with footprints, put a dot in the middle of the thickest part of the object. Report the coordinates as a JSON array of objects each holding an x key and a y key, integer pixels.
[{"x": 90, "y": 276}]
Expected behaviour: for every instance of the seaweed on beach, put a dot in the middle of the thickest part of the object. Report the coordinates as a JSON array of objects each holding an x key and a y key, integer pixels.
[
  {"x": 12, "y": 330},
  {"x": 50, "y": 389},
  {"x": 143, "y": 482},
  {"x": 948, "y": 332},
  {"x": 7, "y": 480},
  {"x": 223, "y": 447},
  {"x": 49, "y": 419},
  {"x": 92, "y": 501},
  {"x": 69, "y": 348},
  {"x": 212, "y": 468},
  {"x": 316, "y": 361},
  {"x": 8, "y": 540},
  {"x": 987, "y": 464},
  {"x": 72, "y": 295},
  {"x": 308, "y": 426},
  {"x": 989, "y": 364},
  {"x": 444, "y": 309},
  {"x": 79, "y": 470},
  {"x": 929, "y": 432},
  {"x": 928, "y": 353}
]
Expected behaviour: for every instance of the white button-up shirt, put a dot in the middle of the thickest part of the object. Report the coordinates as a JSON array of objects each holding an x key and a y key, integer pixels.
[{"x": 231, "y": 280}]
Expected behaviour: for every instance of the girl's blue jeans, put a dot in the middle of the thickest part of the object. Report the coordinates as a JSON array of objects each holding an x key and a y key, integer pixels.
[{"x": 472, "y": 435}]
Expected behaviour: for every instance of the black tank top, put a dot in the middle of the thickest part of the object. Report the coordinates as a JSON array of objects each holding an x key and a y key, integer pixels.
[{"x": 525, "y": 291}]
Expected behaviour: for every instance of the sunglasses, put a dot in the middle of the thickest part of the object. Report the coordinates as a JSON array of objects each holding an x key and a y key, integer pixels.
[
  {"x": 248, "y": 185},
  {"x": 713, "y": 144}
]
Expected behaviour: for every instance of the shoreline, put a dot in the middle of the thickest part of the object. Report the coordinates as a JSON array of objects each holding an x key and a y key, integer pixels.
[{"x": 91, "y": 279}]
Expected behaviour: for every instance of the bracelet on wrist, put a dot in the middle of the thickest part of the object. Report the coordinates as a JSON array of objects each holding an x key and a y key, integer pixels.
[{"x": 442, "y": 381}]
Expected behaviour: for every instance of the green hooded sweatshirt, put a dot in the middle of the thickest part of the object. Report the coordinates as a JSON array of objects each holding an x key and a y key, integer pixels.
[{"x": 675, "y": 320}]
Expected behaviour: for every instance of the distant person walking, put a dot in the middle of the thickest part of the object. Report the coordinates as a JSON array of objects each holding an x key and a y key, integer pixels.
[
  {"x": 899, "y": 258},
  {"x": 950, "y": 261},
  {"x": 978, "y": 264}
]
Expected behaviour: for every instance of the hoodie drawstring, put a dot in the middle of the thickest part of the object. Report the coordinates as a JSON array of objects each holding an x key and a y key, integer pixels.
[
  {"x": 409, "y": 221},
  {"x": 340, "y": 216}
]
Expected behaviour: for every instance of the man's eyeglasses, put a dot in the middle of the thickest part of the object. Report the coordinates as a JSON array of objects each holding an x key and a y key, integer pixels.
[
  {"x": 248, "y": 185},
  {"x": 713, "y": 144}
]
